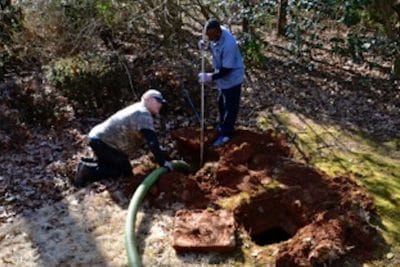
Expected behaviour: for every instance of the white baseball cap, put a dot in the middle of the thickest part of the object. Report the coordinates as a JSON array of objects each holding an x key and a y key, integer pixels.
[{"x": 155, "y": 94}]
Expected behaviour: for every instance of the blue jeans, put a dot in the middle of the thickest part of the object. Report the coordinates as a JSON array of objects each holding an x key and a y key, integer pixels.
[
  {"x": 228, "y": 105},
  {"x": 110, "y": 163}
]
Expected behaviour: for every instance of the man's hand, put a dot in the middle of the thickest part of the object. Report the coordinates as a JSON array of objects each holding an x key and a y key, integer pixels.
[
  {"x": 202, "y": 45},
  {"x": 205, "y": 77},
  {"x": 168, "y": 165}
]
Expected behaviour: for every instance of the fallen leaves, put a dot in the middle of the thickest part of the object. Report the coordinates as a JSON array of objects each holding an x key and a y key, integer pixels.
[{"x": 37, "y": 173}]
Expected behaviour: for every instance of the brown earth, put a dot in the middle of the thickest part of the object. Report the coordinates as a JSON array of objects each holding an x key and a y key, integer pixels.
[{"x": 314, "y": 218}]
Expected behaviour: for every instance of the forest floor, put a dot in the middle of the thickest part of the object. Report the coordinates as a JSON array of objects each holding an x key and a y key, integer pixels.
[{"x": 315, "y": 164}]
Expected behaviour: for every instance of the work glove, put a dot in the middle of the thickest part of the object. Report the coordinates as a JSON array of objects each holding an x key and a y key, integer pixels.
[
  {"x": 205, "y": 77},
  {"x": 168, "y": 166},
  {"x": 202, "y": 45}
]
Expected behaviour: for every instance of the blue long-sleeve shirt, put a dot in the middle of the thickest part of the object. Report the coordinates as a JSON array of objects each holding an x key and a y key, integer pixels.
[{"x": 226, "y": 54}]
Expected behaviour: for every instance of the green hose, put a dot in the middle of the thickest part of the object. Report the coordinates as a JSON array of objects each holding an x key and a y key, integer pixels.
[{"x": 136, "y": 201}]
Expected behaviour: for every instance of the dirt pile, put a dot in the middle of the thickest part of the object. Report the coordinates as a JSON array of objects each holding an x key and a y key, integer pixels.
[{"x": 314, "y": 218}]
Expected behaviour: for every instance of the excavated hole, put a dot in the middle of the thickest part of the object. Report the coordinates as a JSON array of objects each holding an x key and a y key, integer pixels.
[
  {"x": 271, "y": 218},
  {"x": 271, "y": 236}
]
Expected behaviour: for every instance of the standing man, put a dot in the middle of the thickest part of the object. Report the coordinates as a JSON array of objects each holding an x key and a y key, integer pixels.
[
  {"x": 115, "y": 139},
  {"x": 228, "y": 75}
]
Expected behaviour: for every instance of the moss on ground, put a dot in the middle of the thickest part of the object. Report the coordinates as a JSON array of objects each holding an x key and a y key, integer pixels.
[
  {"x": 373, "y": 164},
  {"x": 230, "y": 203}
]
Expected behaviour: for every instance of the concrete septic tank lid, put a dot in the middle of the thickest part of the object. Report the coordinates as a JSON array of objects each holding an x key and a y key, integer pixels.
[{"x": 204, "y": 231}]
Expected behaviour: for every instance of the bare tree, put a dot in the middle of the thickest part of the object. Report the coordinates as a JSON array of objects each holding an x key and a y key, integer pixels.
[
  {"x": 282, "y": 10},
  {"x": 245, "y": 20}
]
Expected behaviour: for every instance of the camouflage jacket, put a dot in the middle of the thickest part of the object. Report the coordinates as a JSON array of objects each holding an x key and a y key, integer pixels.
[{"x": 122, "y": 130}]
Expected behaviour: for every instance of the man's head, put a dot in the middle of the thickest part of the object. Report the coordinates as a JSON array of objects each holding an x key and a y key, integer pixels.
[
  {"x": 213, "y": 30},
  {"x": 153, "y": 100}
]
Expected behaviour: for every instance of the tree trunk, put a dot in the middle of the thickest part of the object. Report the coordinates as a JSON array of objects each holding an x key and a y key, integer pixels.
[
  {"x": 5, "y": 21},
  {"x": 245, "y": 20},
  {"x": 4, "y": 4},
  {"x": 396, "y": 7},
  {"x": 282, "y": 10}
]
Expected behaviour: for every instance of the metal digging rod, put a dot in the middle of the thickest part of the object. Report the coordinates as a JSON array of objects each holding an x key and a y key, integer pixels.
[{"x": 202, "y": 100}]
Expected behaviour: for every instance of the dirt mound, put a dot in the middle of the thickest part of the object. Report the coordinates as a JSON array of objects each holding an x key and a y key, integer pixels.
[{"x": 315, "y": 219}]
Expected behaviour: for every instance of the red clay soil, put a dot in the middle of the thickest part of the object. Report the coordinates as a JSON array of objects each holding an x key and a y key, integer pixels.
[{"x": 322, "y": 218}]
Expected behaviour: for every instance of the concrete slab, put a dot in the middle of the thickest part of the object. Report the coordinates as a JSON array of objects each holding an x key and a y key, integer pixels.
[{"x": 204, "y": 231}]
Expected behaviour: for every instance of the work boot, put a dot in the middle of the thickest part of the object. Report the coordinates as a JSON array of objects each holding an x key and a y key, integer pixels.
[
  {"x": 83, "y": 174},
  {"x": 221, "y": 140}
]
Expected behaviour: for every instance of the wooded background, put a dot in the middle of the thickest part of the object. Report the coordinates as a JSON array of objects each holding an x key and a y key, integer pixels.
[{"x": 96, "y": 56}]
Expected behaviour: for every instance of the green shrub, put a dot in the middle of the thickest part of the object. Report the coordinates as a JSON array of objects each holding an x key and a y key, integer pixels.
[
  {"x": 10, "y": 23},
  {"x": 252, "y": 50},
  {"x": 93, "y": 83}
]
